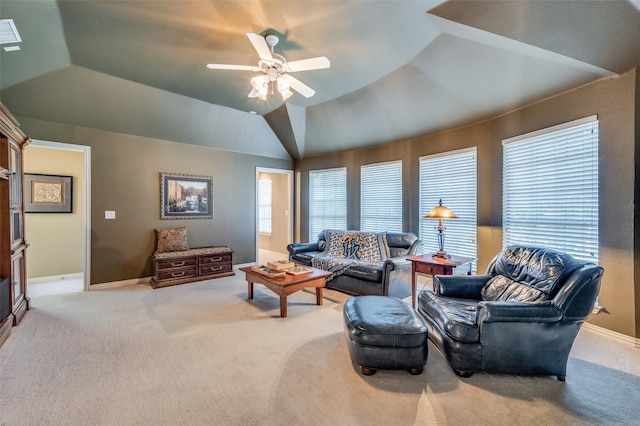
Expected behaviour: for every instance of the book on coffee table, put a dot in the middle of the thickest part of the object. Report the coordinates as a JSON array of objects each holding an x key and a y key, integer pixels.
[
  {"x": 280, "y": 265},
  {"x": 268, "y": 272},
  {"x": 299, "y": 270}
]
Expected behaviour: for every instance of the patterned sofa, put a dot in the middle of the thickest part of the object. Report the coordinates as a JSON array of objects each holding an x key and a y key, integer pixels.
[{"x": 372, "y": 263}]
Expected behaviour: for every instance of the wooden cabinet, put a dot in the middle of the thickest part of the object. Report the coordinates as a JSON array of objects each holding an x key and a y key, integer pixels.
[
  {"x": 187, "y": 266},
  {"x": 13, "y": 292}
]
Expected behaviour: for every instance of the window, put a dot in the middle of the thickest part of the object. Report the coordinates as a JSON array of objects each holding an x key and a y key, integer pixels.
[
  {"x": 550, "y": 189},
  {"x": 327, "y": 200},
  {"x": 264, "y": 205},
  {"x": 381, "y": 197},
  {"x": 451, "y": 177}
]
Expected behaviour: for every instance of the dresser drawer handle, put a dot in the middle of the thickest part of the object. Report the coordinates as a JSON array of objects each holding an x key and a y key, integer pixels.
[
  {"x": 174, "y": 264},
  {"x": 216, "y": 268},
  {"x": 177, "y": 274},
  {"x": 217, "y": 259}
]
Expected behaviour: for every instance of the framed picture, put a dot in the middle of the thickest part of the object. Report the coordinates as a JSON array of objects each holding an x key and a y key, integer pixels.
[
  {"x": 48, "y": 193},
  {"x": 186, "y": 197}
]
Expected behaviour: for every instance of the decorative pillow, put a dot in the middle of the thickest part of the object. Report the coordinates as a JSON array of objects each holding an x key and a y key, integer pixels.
[
  {"x": 174, "y": 239},
  {"x": 357, "y": 245}
]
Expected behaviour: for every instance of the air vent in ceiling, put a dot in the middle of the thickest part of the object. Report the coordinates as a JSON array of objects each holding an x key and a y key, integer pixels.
[{"x": 8, "y": 32}]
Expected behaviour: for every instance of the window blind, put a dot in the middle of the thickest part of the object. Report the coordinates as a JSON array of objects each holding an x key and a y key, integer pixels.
[
  {"x": 264, "y": 205},
  {"x": 452, "y": 177},
  {"x": 381, "y": 197},
  {"x": 550, "y": 189},
  {"x": 327, "y": 200}
]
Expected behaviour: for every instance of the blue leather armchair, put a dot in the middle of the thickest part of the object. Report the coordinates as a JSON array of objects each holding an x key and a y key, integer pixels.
[{"x": 521, "y": 317}]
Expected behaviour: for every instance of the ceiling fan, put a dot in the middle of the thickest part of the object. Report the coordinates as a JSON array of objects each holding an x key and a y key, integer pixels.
[{"x": 274, "y": 69}]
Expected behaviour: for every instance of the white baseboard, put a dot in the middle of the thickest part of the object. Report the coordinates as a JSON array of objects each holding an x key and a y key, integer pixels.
[
  {"x": 73, "y": 276},
  {"x": 242, "y": 265},
  {"x": 619, "y": 337},
  {"x": 123, "y": 283}
]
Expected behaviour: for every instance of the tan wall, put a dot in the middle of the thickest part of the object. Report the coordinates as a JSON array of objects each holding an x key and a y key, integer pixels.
[
  {"x": 125, "y": 178},
  {"x": 56, "y": 243},
  {"x": 615, "y": 103},
  {"x": 279, "y": 237}
]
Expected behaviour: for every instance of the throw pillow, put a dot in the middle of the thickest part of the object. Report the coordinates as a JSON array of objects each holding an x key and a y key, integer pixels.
[{"x": 174, "y": 239}]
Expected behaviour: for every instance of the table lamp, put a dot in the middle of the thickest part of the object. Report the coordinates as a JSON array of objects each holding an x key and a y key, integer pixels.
[{"x": 441, "y": 212}]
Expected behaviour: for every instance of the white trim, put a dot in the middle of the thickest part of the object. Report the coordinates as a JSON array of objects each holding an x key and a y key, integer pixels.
[
  {"x": 447, "y": 153},
  {"x": 86, "y": 150},
  {"x": 72, "y": 276},
  {"x": 327, "y": 170},
  {"x": 613, "y": 335},
  {"x": 382, "y": 163},
  {"x": 289, "y": 174},
  {"x": 123, "y": 283},
  {"x": 551, "y": 129}
]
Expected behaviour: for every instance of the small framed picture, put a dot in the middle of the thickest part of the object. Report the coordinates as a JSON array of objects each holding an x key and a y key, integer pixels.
[
  {"x": 186, "y": 196},
  {"x": 48, "y": 193}
]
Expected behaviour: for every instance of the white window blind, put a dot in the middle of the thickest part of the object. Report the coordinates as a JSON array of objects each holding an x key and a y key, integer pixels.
[
  {"x": 451, "y": 177},
  {"x": 264, "y": 205},
  {"x": 550, "y": 189},
  {"x": 381, "y": 197},
  {"x": 327, "y": 200}
]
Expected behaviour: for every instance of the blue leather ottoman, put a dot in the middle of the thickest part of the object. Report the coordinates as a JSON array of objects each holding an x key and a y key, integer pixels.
[{"x": 384, "y": 333}]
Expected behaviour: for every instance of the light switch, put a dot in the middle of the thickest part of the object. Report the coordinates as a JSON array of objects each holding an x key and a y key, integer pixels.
[{"x": 109, "y": 214}]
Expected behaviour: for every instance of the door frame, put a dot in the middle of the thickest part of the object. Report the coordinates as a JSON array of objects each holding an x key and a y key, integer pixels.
[
  {"x": 289, "y": 174},
  {"x": 86, "y": 208}
]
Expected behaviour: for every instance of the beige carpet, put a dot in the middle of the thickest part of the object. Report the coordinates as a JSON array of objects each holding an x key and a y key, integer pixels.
[{"x": 202, "y": 354}]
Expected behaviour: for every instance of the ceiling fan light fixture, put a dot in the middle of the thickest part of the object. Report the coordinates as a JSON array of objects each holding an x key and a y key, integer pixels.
[
  {"x": 259, "y": 81},
  {"x": 286, "y": 95},
  {"x": 283, "y": 88},
  {"x": 275, "y": 68},
  {"x": 263, "y": 92}
]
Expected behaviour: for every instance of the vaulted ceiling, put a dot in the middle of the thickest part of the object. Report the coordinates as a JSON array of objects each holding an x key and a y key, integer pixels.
[{"x": 399, "y": 69}]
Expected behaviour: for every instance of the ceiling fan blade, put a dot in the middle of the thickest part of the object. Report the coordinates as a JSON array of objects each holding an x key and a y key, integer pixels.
[
  {"x": 308, "y": 64},
  {"x": 299, "y": 86},
  {"x": 253, "y": 94},
  {"x": 261, "y": 46},
  {"x": 232, "y": 67}
]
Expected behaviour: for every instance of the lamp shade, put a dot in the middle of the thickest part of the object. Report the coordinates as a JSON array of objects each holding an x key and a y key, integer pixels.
[{"x": 441, "y": 212}]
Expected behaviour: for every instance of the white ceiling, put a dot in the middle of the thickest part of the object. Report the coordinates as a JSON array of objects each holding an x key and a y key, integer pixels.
[{"x": 399, "y": 69}]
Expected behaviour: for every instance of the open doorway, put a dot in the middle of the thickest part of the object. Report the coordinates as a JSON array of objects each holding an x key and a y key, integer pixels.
[
  {"x": 58, "y": 258},
  {"x": 274, "y": 213}
]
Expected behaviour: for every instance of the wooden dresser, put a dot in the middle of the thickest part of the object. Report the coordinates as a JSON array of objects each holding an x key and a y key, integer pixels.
[
  {"x": 14, "y": 302},
  {"x": 197, "y": 264}
]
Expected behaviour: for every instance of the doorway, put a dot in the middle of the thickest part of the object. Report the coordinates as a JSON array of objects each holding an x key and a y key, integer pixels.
[
  {"x": 274, "y": 213},
  {"x": 54, "y": 158}
]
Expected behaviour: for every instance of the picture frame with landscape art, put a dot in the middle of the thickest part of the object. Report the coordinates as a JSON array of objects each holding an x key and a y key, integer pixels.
[
  {"x": 48, "y": 193},
  {"x": 186, "y": 196}
]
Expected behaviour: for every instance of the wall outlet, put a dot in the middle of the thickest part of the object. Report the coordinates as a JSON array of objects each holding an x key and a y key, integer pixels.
[{"x": 109, "y": 214}]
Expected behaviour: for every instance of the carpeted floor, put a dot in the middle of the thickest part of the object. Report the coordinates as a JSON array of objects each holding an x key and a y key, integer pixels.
[{"x": 202, "y": 354}]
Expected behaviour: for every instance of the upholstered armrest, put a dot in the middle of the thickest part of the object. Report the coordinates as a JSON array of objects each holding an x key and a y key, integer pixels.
[
  {"x": 460, "y": 286},
  {"x": 545, "y": 311},
  {"x": 295, "y": 248},
  {"x": 399, "y": 262},
  {"x": 413, "y": 250}
]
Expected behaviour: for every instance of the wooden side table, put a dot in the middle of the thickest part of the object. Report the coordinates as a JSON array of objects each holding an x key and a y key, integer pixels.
[{"x": 426, "y": 264}]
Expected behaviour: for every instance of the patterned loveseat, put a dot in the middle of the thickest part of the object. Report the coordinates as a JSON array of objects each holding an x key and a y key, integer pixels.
[{"x": 361, "y": 262}]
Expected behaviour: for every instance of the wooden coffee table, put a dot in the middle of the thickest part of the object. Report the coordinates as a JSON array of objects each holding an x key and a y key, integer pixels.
[{"x": 287, "y": 285}]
